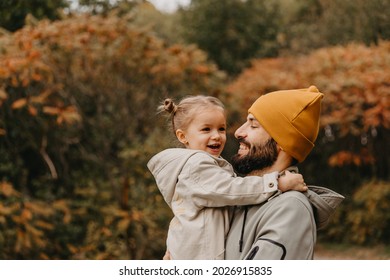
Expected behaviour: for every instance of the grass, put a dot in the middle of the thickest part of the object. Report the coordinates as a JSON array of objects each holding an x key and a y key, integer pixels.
[{"x": 328, "y": 251}]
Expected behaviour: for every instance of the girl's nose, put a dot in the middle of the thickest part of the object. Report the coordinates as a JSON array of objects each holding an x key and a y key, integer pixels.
[{"x": 215, "y": 135}]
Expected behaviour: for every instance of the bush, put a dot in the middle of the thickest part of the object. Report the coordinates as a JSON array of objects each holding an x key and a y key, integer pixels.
[
  {"x": 369, "y": 217},
  {"x": 363, "y": 218},
  {"x": 78, "y": 123}
]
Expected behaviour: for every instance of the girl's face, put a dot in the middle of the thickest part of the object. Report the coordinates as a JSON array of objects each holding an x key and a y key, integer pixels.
[{"x": 206, "y": 132}]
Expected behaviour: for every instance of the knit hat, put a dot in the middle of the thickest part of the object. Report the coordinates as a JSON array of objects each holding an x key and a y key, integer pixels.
[{"x": 291, "y": 117}]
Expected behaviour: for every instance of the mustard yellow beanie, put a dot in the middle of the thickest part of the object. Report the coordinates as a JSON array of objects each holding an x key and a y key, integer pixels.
[{"x": 291, "y": 117}]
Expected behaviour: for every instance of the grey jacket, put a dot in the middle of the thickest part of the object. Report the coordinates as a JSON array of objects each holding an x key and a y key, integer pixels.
[
  {"x": 284, "y": 227},
  {"x": 197, "y": 187}
]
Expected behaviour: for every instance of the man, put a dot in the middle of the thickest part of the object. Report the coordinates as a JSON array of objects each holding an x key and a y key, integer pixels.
[{"x": 280, "y": 131}]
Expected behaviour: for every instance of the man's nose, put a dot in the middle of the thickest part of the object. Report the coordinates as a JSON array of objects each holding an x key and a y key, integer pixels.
[{"x": 239, "y": 133}]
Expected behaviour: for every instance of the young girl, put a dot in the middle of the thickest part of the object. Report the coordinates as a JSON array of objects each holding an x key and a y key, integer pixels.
[{"x": 197, "y": 183}]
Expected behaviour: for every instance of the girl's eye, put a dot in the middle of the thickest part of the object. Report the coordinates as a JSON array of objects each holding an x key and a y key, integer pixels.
[
  {"x": 205, "y": 129},
  {"x": 222, "y": 129}
]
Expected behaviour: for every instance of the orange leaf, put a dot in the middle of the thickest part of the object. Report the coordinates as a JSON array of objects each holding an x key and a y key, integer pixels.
[
  {"x": 136, "y": 215},
  {"x": 44, "y": 225},
  {"x": 71, "y": 117},
  {"x": 202, "y": 69},
  {"x": 61, "y": 205},
  {"x": 36, "y": 77},
  {"x": 60, "y": 120},
  {"x": 25, "y": 82},
  {"x": 19, "y": 103},
  {"x": 7, "y": 189},
  {"x": 123, "y": 224},
  {"x": 51, "y": 110},
  {"x": 41, "y": 97},
  {"x": 72, "y": 248},
  {"x": 3, "y": 94},
  {"x": 39, "y": 208},
  {"x": 14, "y": 81},
  {"x": 5, "y": 211},
  {"x": 26, "y": 214},
  {"x": 106, "y": 231},
  {"x": 32, "y": 110},
  {"x": 34, "y": 54}
]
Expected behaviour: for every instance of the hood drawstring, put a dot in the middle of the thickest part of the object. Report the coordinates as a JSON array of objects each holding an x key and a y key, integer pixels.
[
  {"x": 241, "y": 242},
  {"x": 232, "y": 218}
]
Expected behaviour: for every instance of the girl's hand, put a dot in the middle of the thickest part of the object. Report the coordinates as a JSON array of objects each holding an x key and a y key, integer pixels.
[{"x": 291, "y": 181}]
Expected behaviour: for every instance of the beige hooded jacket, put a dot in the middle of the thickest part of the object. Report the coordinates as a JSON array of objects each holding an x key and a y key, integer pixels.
[{"x": 197, "y": 187}]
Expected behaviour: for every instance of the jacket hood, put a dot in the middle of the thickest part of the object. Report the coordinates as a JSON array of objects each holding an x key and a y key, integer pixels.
[
  {"x": 166, "y": 167},
  {"x": 324, "y": 202}
]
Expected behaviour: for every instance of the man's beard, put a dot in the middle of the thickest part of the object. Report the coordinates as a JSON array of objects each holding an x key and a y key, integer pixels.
[{"x": 258, "y": 158}]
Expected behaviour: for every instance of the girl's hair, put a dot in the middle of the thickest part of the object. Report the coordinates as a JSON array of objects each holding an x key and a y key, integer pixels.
[{"x": 183, "y": 113}]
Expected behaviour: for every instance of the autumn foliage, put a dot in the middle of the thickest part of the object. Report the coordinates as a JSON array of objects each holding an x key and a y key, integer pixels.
[{"x": 78, "y": 123}]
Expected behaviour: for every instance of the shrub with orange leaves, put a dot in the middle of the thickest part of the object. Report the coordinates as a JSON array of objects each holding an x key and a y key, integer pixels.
[
  {"x": 25, "y": 225},
  {"x": 78, "y": 123}
]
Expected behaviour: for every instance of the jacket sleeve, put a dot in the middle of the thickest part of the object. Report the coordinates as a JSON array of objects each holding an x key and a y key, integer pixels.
[
  {"x": 214, "y": 186},
  {"x": 286, "y": 231}
]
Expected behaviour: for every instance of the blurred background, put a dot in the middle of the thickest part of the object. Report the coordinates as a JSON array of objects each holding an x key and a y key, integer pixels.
[{"x": 80, "y": 82}]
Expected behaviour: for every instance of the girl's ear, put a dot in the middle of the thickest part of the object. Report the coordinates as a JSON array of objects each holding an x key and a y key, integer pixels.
[{"x": 181, "y": 136}]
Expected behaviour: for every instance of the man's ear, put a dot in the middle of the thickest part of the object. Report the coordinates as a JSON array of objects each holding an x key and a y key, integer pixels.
[{"x": 181, "y": 136}]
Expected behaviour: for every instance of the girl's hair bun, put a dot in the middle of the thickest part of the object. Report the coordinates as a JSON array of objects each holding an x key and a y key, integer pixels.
[{"x": 169, "y": 106}]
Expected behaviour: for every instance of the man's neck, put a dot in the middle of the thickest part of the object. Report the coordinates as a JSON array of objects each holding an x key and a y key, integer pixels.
[
  {"x": 263, "y": 171},
  {"x": 282, "y": 162}
]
